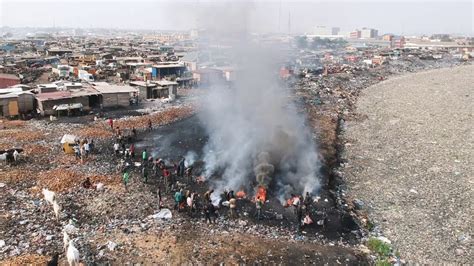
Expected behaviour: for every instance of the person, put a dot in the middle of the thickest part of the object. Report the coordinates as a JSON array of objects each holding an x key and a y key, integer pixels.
[
  {"x": 167, "y": 179},
  {"x": 116, "y": 148},
  {"x": 158, "y": 195},
  {"x": 145, "y": 174},
  {"x": 150, "y": 127},
  {"x": 132, "y": 150},
  {"x": 189, "y": 202},
  {"x": 144, "y": 156},
  {"x": 119, "y": 132},
  {"x": 296, "y": 202},
  {"x": 87, "y": 148},
  {"x": 111, "y": 123},
  {"x": 223, "y": 197},
  {"x": 189, "y": 174},
  {"x": 91, "y": 145},
  {"x": 87, "y": 183},
  {"x": 207, "y": 195},
  {"x": 123, "y": 148},
  {"x": 307, "y": 200},
  {"x": 299, "y": 218},
  {"x": 232, "y": 207},
  {"x": 181, "y": 167},
  {"x": 177, "y": 199},
  {"x": 209, "y": 211},
  {"x": 126, "y": 177},
  {"x": 258, "y": 206},
  {"x": 156, "y": 168},
  {"x": 134, "y": 133},
  {"x": 77, "y": 151},
  {"x": 82, "y": 153}
]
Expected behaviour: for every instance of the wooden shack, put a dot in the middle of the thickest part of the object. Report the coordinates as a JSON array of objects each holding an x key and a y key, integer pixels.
[{"x": 9, "y": 105}]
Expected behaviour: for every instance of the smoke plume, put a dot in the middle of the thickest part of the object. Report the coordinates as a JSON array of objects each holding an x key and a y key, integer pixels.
[{"x": 256, "y": 135}]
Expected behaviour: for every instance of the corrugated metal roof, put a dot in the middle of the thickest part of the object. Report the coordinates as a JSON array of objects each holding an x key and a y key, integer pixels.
[
  {"x": 9, "y": 76},
  {"x": 56, "y": 95},
  {"x": 165, "y": 82},
  {"x": 108, "y": 89},
  {"x": 10, "y": 90},
  {"x": 7, "y": 96},
  {"x": 168, "y": 66}
]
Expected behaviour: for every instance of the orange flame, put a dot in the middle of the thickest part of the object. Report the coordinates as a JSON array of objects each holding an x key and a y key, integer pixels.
[
  {"x": 289, "y": 202},
  {"x": 240, "y": 194},
  {"x": 261, "y": 194}
]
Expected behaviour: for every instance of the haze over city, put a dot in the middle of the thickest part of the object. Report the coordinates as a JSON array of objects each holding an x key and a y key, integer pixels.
[{"x": 398, "y": 17}]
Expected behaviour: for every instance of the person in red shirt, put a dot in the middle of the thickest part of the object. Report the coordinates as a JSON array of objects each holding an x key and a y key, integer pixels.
[
  {"x": 132, "y": 150},
  {"x": 167, "y": 179},
  {"x": 111, "y": 123}
]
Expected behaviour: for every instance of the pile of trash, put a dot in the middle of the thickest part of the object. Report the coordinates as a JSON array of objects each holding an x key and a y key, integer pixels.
[
  {"x": 21, "y": 135},
  {"x": 157, "y": 119},
  {"x": 15, "y": 176},
  {"x": 97, "y": 131}
]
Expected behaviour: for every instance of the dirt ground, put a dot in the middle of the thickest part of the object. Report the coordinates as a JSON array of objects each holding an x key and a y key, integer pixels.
[
  {"x": 410, "y": 161},
  {"x": 122, "y": 218}
]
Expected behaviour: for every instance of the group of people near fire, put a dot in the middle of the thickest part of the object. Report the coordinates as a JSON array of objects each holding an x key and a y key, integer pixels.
[{"x": 176, "y": 179}]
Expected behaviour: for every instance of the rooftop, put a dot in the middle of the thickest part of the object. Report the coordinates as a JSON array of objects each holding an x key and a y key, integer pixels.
[
  {"x": 109, "y": 88},
  {"x": 9, "y": 76}
]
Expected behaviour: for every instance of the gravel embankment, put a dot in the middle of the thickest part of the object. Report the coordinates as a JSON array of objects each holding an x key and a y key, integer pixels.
[{"x": 410, "y": 161}]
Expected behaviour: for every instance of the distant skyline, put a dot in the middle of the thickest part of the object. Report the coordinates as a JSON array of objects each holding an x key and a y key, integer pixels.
[{"x": 402, "y": 17}]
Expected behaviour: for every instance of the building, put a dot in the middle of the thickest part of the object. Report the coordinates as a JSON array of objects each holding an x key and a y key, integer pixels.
[
  {"x": 26, "y": 102},
  {"x": 53, "y": 102},
  {"x": 58, "y": 52},
  {"x": 7, "y": 80},
  {"x": 323, "y": 30},
  {"x": 115, "y": 95},
  {"x": 16, "y": 103},
  {"x": 208, "y": 76},
  {"x": 355, "y": 34},
  {"x": 387, "y": 37},
  {"x": 146, "y": 89},
  {"x": 168, "y": 88},
  {"x": 9, "y": 105},
  {"x": 365, "y": 43},
  {"x": 367, "y": 33},
  {"x": 398, "y": 42},
  {"x": 165, "y": 70}
]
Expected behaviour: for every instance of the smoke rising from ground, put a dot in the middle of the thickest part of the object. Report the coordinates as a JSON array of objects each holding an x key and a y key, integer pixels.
[{"x": 256, "y": 135}]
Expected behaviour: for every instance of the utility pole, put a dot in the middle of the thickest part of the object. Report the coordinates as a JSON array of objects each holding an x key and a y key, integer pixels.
[
  {"x": 289, "y": 23},
  {"x": 279, "y": 18}
]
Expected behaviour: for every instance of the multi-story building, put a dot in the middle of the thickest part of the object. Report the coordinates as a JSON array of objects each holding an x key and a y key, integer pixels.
[
  {"x": 398, "y": 42},
  {"x": 368, "y": 33},
  {"x": 323, "y": 30},
  {"x": 355, "y": 34},
  {"x": 387, "y": 37}
]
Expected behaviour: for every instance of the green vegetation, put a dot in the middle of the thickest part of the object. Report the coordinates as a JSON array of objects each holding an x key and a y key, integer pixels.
[
  {"x": 328, "y": 43},
  {"x": 381, "y": 248},
  {"x": 382, "y": 262},
  {"x": 302, "y": 42}
]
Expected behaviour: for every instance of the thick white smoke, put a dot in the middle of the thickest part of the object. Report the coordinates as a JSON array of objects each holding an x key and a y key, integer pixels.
[{"x": 255, "y": 115}]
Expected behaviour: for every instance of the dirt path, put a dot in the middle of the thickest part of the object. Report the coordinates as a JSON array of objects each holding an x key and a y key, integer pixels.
[{"x": 410, "y": 161}]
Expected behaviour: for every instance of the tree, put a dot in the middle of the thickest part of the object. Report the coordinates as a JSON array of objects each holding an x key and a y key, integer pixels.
[{"x": 302, "y": 42}]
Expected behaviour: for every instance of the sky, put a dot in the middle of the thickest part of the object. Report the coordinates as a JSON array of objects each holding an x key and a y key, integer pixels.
[{"x": 388, "y": 16}]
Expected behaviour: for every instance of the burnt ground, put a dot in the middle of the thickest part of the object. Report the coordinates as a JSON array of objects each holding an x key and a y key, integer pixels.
[{"x": 177, "y": 139}]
